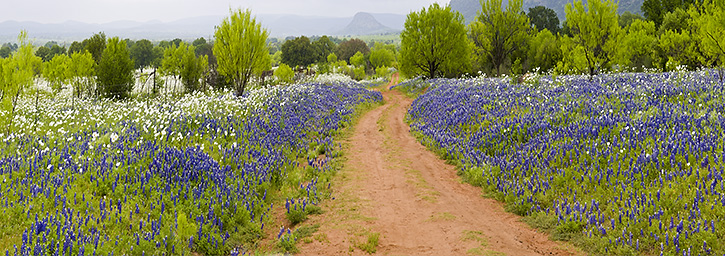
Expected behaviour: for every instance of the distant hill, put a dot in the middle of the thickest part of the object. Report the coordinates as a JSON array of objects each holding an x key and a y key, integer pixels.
[
  {"x": 278, "y": 25},
  {"x": 365, "y": 24},
  {"x": 470, "y": 8}
]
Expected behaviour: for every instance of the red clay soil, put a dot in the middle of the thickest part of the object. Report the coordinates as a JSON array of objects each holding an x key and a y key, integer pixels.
[{"x": 393, "y": 186}]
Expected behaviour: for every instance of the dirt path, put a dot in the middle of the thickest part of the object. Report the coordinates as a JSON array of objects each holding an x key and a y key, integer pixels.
[{"x": 393, "y": 187}]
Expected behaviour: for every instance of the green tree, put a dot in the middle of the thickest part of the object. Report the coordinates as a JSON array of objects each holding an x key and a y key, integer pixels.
[
  {"x": 382, "y": 56},
  {"x": 96, "y": 45},
  {"x": 348, "y": 48},
  {"x": 358, "y": 60},
  {"x": 18, "y": 73},
  {"x": 43, "y": 53},
  {"x": 710, "y": 24},
  {"x": 497, "y": 34},
  {"x": 544, "y": 50},
  {"x": 182, "y": 63},
  {"x": 142, "y": 53},
  {"x": 56, "y": 71},
  {"x": 115, "y": 70},
  {"x": 323, "y": 46},
  {"x": 75, "y": 47},
  {"x": 655, "y": 10},
  {"x": 241, "y": 48},
  {"x": 636, "y": 48},
  {"x": 595, "y": 31},
  {"x": 284, "y": 74},
  {"x": 5, "y": 51},
  {"x": 299, "y": 52},
  {"x": 628, "y": 18},
  {"x": 81, "y": 71},
  {"x": 204, "y": 48},
  {"x": 544, "y": 18},
  {"x": 434, "y": 43},
  {"x": 676, "y": 20}
]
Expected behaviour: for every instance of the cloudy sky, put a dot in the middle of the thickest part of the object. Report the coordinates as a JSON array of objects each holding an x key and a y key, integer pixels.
[{"x": 100, "y": 11}]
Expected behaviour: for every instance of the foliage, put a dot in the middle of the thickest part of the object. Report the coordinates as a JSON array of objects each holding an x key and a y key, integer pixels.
[
  {"x": 95, "y": 45},
  {"x": 627, "y": 18},
  {"x": 81, "y": 71},
  {"x": 434, "y": 43},
  {"x": 299, "y": 52},
  {"x": 595, "y": 32},
  {"x": 544, "y": 50},
  {"x": 56, "y": 71},
  {"x": 497, "y": 34},
  {"x": 348, "y": 48},
  {"x": 43, "y": 53},
  {"x": 284, "y": 74},
  {"x": 18, "y": 73},
  {"x": 358, "y": 60},
  {"x": 655, "y": 10},
  {"x": 181, "y": 61},
  {"x": 636, "y": 50},
  {"x": 710, "y": 24},
  {"x": 114, "y": 74},
  {"x": 142, "y": 53},
  {"x": 544, "y": 18},
  {"x": 324, "y": 46},
  {"x": 241, "y": 48},
  {"x": 382, "y": 55}
]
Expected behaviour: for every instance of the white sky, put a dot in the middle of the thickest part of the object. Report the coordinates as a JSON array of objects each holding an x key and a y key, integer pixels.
[{"x": 101, "y": 11}]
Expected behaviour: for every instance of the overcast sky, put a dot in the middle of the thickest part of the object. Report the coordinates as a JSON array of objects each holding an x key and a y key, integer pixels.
[{"x": 101, "y": 11}]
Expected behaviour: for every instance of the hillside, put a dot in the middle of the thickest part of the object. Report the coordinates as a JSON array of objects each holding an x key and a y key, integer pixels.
[
  {"x": 469, "y": 8},
  {"x": 365, "y": 24}
]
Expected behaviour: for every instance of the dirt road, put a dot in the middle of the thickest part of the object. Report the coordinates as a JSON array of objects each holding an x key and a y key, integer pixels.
[{"x": 393, "y": 188}]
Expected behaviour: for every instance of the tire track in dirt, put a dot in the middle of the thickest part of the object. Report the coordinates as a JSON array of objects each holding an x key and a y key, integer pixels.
[{"x": 393, "y": 186}]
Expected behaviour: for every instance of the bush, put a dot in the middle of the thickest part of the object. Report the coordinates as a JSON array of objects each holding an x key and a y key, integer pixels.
[{"x": 284, "y": 74}]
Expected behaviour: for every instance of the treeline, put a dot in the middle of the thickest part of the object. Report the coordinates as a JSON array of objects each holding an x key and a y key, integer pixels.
[
  {"x": 593, "y": 39},
  {"x": 353, "y": 57}
]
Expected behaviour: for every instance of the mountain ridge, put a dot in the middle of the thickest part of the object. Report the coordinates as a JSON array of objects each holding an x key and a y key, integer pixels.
[{"x": 279, "y": 25}]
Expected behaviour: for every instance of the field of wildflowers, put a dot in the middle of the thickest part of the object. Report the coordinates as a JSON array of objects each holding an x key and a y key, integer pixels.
[
  {"x": 618, "y": 164},
  {"x": 165, "y": 176}
]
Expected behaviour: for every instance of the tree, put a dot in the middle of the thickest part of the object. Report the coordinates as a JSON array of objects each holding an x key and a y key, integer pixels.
[
  {"x": 382, "y": 56},
  {"x": 204, "y": 48},
  {"x": 75, "y": 47},
  {"x": 299, "y": 52},
  {"x": 241, "y": 48},
  {"x": 497, "y": 34},
  {"x": 628, "y": 18},
  {"x": 636, "y": 48},
  {"x": 43, "y": 53},
  {"x": 96, "y": 45},
  {"x": 595, "y": 31},
  {"x": 434, "y": 43},
  {"x": 18, "y": 73},
  {"x": 676, "y": 20},
  {"x": 324, "y": 47},
  {"x": 142, "y": 53},
  {"x": 710, "y": 24},
  {"x": 544, "y": 18},
  {"x": 5, "y": 51},
  {"x": 183, "y": 63},
  {"x": 358, "y": 60},
  {"x": 81, "y": 71},
  {"x": 56, "y": 71},
  {"x": 544, "y": 51},
  {"x": 115, "y": 70},
  {"x": 348, "y": 48},
  {"x": 655, "y": 10},
  {"x": 284, "y": 74}
]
